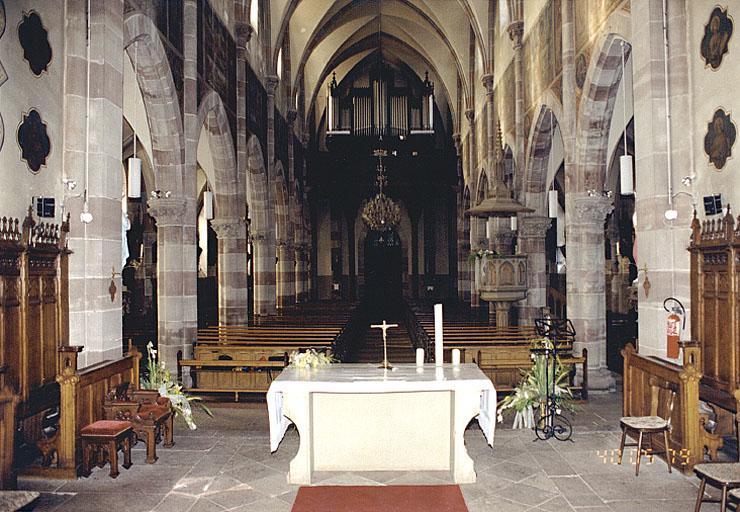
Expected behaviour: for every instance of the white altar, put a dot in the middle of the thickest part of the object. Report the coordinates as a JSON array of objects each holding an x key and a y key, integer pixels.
[{"x": 357, "y": 417}]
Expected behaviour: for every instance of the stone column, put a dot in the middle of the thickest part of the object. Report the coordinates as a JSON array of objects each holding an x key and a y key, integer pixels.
[
  {"x": 301, "y": 277},
  {"x": 189, "y": 219},
  {"x": 532, "y": 232},
  {"x": 463, "y": 240},
  {"x": 168, "y": 213},
  {"x": 269, "y": 267},
  {"x": 662, "y": 244},
  {"x": 585, "y": 282},
  {"x": 232, "y": 270},
  {"x": 95, "y": 318},
  {"x": 264, "y": 274},
  {"x": 474, "y": 241},
  {"x": 516, "y": 30},
  {"x": 414, "y": 213},
  {"x": 285, "y": 271},
  {"x": 568, "y": 121}
]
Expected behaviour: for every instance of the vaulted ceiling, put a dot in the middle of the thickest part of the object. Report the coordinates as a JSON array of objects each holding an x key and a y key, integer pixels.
[{"x": 325, "y": 36}]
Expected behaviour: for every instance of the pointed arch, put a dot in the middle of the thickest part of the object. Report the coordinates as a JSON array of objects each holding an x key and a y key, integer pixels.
[
  {"x": 212, "y": 116},
  {"x": 153, "y": 74},
  {"x": 596, "y": 110}
]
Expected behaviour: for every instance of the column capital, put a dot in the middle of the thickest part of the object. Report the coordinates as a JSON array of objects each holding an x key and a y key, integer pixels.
[
  {"x": 457, "y": 141},
  {"x": 470, "y": 115},
  {"x": 244, "y": 33},
  {"x": 487, "y": 81},
  {"x": 258, "y": 236},
  {"x": 534, "y": 226},
  {"x": 516, "y": 31},
  {"x": 229, "y": 228},
  {"x": 167, "y": 211},
  {"x": 271, "y": 83},
  {"x": 291, "y": 117},
  {"x": 592, "y": 209}
]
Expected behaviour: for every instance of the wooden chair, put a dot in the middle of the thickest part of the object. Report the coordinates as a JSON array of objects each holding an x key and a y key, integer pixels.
[{"x": 662, "y": 398}]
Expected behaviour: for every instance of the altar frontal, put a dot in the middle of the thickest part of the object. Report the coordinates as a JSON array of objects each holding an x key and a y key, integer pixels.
[{"x": 358, "y": 417}]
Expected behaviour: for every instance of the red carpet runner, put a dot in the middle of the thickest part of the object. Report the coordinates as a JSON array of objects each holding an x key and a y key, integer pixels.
[{"x": 391, "y": 498}]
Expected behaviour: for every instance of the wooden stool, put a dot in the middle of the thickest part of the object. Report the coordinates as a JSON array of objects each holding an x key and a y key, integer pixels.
[{"x": 103, "y": 438}]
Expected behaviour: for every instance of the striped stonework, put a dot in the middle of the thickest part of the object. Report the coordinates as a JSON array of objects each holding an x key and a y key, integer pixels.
[
  {"x": 261, "y": 230},
  {"x": 535, "y": 185},
  {"x": 232, "y": 270},
  {"x": 168, "y": 213},
  {"x": 463, "y": 249},
  {"x": 284, "y": 251},
  {"x": 532, "y": 231}
]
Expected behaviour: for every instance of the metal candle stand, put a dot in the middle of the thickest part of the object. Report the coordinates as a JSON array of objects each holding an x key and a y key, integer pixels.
[{"x": 553, "y": 423}]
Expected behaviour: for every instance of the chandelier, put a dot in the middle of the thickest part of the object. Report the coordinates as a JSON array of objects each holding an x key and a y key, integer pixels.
[{"x": 380, "y": 213}]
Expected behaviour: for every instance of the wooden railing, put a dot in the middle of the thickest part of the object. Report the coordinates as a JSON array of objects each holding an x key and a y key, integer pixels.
[
  {"x": 81, "y": 395},
  {"x": 688, "y": 439}
]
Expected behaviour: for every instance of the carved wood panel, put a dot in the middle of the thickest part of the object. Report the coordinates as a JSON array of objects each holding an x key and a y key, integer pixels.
[{"x": 715, "y": 302}]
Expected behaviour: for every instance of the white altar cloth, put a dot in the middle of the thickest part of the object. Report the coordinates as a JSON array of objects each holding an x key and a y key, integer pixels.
[{"x": 357, "y": 379}]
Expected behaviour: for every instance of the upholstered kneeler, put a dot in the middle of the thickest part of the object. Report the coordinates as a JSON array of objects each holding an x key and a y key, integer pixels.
[{"x": 102, "y": 440}]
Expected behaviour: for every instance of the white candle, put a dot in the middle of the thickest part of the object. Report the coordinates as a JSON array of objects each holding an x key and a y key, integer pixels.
[
  {"x": 419, "y": 357},
  {"x": 438, "y": 357},
  {"x": 456, "y": 356}
]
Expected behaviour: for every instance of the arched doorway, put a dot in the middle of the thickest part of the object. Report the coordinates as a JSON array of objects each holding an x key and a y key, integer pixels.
[{"x": 383, "y": 268}]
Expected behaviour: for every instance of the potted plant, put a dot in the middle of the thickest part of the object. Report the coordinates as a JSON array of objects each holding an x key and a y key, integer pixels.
[
  {"x": 531, "y": 393},
  {"x": 158, "y": 377}
]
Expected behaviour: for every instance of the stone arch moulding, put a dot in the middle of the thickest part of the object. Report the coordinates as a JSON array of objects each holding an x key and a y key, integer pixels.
[
  {"x": 536, "y": 174},
  {"x": 282, "y": 204},
  {"x": 257, "y": 197},
  {"x": 153, "y": 74},
  {"x": 595, "y": 113},
  {"x": 212, "y": 116}
]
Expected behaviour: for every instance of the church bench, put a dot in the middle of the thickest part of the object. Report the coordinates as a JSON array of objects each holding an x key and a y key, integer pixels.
[
  {"x": 80, "y": 399},
  {"x": 505, "y": 364},
  {"x": 234, "y": 375}
]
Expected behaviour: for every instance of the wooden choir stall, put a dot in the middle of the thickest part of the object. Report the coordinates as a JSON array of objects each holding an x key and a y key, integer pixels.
[
  {"x": 708, "y": 381},
  {"x": 44, "y": 399}
]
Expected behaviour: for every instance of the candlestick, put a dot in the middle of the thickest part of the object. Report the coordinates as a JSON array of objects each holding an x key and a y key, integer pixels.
[
  {"x": 438, "y": 355},
  {"x": 419, "y": 357},
  {"x": 456, "y": 356}
]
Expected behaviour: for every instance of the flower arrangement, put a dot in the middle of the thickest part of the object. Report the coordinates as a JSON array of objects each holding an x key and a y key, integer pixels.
[
  {"x": 480, "y": 254},
  {"x": 161, "y": 379},
  {"x": 311, "y": 358},
  {"x": 532, "y": 391}
]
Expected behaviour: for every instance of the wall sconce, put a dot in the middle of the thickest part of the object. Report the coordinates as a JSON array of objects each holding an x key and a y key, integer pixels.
[
  {"x": 208, "y": 204},
  {"x": 626, "y": 179},
  {"x": 134, "y": 178},
  {"x": 514, "y": 223},
  {"x": 552, "y": 204}
]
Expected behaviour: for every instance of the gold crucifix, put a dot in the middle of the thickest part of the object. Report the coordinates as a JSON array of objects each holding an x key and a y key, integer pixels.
[{"x": 385, "y": 364}]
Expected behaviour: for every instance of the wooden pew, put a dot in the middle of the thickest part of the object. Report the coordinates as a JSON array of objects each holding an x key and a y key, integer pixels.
[
  {"x": 503, "y": 353},
  {"x": 688, "y": 438},
  {"x": 81, "y": 397},
  {"x": 243, "y": 359}
]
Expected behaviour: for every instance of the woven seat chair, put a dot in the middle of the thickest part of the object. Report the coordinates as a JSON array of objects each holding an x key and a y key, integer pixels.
[{"x": 662, "y": 397}]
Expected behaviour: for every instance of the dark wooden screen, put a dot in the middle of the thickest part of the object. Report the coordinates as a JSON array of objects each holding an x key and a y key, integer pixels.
[
  {"x": 34, "y": 306},
  {"x": 715, "y": 304}
]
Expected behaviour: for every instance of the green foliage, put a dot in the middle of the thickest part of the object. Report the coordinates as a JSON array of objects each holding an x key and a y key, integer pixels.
[
  {"x": 158, "y": 377},
  {"x": 531, "y": 393}
]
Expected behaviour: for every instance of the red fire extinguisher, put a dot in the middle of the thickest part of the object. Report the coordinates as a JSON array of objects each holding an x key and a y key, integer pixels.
[{"x": 675, "y": 323}]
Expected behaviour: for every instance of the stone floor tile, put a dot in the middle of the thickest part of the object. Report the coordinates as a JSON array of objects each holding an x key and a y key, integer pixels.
[
  {"x": 525, "y": 494},
  {"x": 175, "y": 502}
]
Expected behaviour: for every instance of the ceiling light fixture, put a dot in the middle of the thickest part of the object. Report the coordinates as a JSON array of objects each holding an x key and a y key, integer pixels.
[{"x": 381, "y": 213}]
